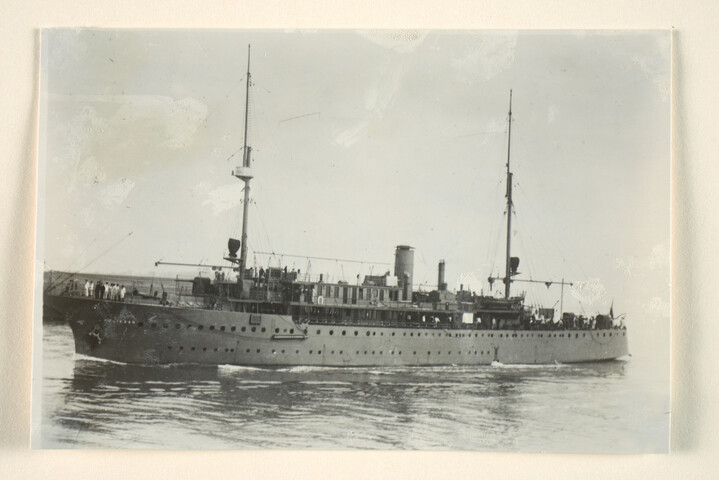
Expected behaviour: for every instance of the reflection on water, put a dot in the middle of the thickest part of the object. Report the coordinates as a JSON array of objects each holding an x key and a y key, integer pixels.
[{"x": 98, "y": 404}]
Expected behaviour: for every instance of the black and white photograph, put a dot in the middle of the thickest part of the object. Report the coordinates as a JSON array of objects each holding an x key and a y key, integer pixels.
[{"x": 353, "y": 240}]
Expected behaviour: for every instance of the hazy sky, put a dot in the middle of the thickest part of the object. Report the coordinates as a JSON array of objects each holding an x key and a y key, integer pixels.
[{"x": 362, "y": 141}]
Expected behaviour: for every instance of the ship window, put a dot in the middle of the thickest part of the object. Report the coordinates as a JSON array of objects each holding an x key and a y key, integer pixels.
[
  {"x": 297, "y": 351},
  {"x": 318, "y": 332},
  {"x": 247, "y": 351},
  {"x": 429, "y": 353},
  {"x": 356, "y": 332},
  {"x": 263, "y": 329},
  {"x": 310, "y": 351},
  {"x": 372, "y": 352},
  {"x": 414, "y": 353},
  {"x": 319, "y": 352},
  {"x": 182, "y": 348},
  {"x": 393, "y": 334},
  {"x": 344, "y": 332},
  {"x": 500, "y": 335},
  {"x": 140, "y": 324},
  {"x": 226, "y": 350},
  {"x": 374, "y": 333},
  {"x": 258, "y": 350},
  {"x": 254, "y": 329},
  {"x": 380, "y": 352},
  {"x": 283, "y": 351},
  {"x": 292, "y": 330},
  {"x": 233, "y": 329},
  {"x": 232, "y": 349},
  {"x": 400, "y": 352},
  {"x": 365, "y": 352},
  {"x": 200, "y": 327},
  {"x": 241, "y": 329},
  {"x": 212, "y": 327},
  {"x": 277, "y": 330},
  {"x": 215, "y": 348},
  {"x": 340, "y": 352},
  {"x": 332, "y": 352},
  {"x": 411, "y": 334},
  {"x": 222, "y": 328},
  {"x": 274, "y": 351},
  {"x": 204, "y": 349},
  {"x": 368, "y": 333},
  {"x": 193, "y": 349},
  {"x": 332, "y": 332}
]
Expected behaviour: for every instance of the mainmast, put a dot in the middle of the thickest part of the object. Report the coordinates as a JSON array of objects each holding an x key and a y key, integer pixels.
[
  {"x": 244, "y": 174},
  {"x": 508, "y": 272}
]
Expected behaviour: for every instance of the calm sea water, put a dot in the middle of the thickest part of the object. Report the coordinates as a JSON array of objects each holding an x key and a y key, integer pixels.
[{"x": 619, "y": 406}]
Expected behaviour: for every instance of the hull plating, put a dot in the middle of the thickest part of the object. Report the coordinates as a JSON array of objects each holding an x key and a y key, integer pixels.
[{"x": 153, "y": 334}]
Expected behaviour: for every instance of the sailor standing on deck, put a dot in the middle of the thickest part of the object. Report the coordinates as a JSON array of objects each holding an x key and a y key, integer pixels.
[
  {"x": 91, "y": 290},
  {"x": 87, "y": 288},
  {"x": 122, "y": 293}
]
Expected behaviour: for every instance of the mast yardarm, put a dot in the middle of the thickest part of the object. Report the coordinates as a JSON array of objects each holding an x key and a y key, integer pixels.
[{"x": 508, "y": 266}]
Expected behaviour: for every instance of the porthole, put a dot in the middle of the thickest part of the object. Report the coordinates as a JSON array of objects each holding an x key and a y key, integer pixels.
[
  {"x": 204, "y": 349},
  {"x": 332, "y": 352},
  {"x": 283, "y": 351},
  {"x": 344, "y": 332},
  {"x": 254, "y": 329},
  {"x": 200, "y": 327},
  {"x": 414, "y": 353},
  {"x": 310, "y": 351},
  {"x": 400, "y": 352},
  {"x": 232, "y": 349},
  {"x": 164, "y": 325},
  {"x": 340, "y": 352},
  {"x": 372, "y": 352},
  {"x": 227, "y": 350},
  {"x": 193, "y": 349},
  {"x": 277, "y": 330},
  {"x": 233, "y": 329},
  {"x": 319, "y": 352},
  {"x": 215, "y": 348},
  {"x": 332, "y": 332},
  {"x": 292, "y": 330},
  {"x": 297, "y": 351},
  {"x": 212, "y": 327},
  {"x": 393, "y": 334},
  {"x": 374, "y": 333},
  {"x": 263, "y": 329},
  {"x": 365, "y": 352},
  {"x": 356, "y": 333},
  {"x": 182, "y": 348},
  {"x": 222, "y": 328},
  {"x": 188, "y": 326},
  {"x": 169, "y": 347},
  {"x": 318, "y": 332},
  {"x": 411, "y": 334},
  {"x": 274, "y": 351},
  {"x": 247, "y": 351},
  {"x": 368, "y": 333},
  {"x": 243, "y": 329},
  {"x": 258, "y": 350},
  {"x": 380, "y": 352},
  {"x": 381, "y": 334},
  {"x": 429, "y": 353}
]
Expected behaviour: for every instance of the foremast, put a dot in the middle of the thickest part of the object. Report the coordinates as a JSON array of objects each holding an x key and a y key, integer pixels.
[{"x": 244, "y": 173}]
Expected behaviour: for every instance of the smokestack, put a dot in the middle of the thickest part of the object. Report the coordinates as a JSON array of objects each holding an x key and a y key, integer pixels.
[
  {"x": 441, "y": 285},
  {"x": 404, "y": 269}
]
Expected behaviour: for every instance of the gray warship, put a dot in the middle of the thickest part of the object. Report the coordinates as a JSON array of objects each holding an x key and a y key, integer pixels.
[{"x": 274, "y": 317}]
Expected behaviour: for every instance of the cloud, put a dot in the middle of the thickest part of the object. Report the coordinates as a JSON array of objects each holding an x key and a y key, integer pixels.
[
  {"x": 378, "y": 99},
  {"x": 487, "y": 58},
  {"x": 116, "y": 193},
  {"x": 402, "y": 41},
  {"x": 223, "y": 198}
]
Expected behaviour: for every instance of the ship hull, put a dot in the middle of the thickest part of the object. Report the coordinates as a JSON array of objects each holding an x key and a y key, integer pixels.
[{"x": 155, "y": 334}]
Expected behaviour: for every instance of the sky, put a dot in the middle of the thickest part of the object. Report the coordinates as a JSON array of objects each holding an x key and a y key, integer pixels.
[{"x": 364, "y": 140}]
